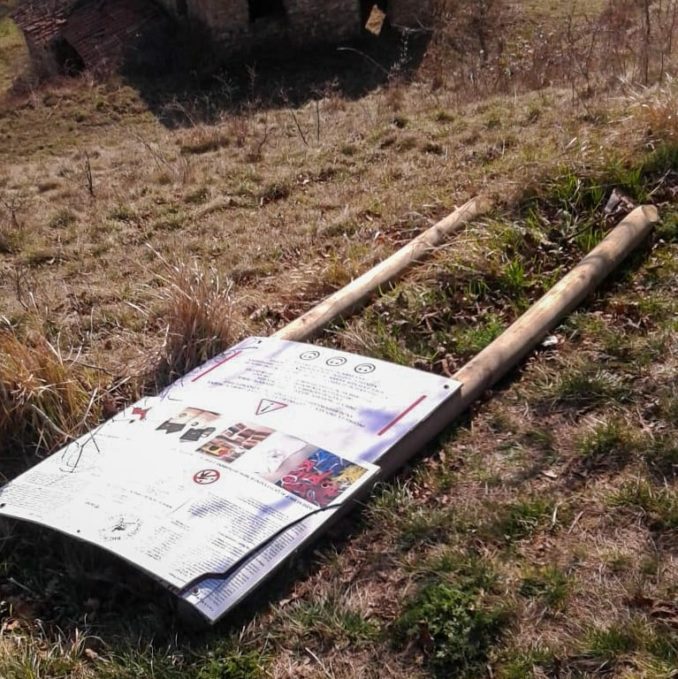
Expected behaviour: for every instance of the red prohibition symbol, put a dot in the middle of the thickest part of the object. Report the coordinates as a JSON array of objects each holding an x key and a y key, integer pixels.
[{"x": 206, "y": 476}]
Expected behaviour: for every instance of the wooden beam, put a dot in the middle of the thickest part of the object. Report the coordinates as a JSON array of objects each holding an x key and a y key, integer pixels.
[
  {"x": 357, "y": 292},
  {"x": 502, "y": 355}
]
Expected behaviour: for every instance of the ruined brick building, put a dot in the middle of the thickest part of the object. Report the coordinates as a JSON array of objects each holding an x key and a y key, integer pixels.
[{"x": 88, "y": 33}]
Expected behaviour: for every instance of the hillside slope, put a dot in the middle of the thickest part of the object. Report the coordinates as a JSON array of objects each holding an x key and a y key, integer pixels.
[{"x": 144, "y": 225}]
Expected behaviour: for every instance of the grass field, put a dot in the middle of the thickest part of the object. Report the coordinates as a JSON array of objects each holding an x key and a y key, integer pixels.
[{"x": 538, "y": 536}]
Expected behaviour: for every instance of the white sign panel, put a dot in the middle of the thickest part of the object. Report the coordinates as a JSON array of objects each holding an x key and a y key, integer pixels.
[{"x": 212, "y": 484}]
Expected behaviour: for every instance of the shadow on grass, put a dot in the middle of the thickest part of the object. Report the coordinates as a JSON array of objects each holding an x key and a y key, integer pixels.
[
  {"x": 192, "y": 84},
  {"x": 68, "y": 589}
]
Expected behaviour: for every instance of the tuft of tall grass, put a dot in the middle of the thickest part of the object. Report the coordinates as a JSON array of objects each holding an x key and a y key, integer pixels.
[
  {"x": 659, "y": 111},
  {"x": 45, "y": 399},
  {"x": 198, "y": 310}
]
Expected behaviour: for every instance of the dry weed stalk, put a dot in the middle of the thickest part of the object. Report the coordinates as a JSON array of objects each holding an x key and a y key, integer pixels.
[{"x": 198, "y": 309}]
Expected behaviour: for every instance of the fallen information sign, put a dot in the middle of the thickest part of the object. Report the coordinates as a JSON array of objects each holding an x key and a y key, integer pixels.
[{"x": 212, "y": 484}]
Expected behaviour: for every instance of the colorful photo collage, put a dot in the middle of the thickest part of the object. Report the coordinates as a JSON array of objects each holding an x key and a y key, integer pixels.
[{"x": 311, "y": 473}]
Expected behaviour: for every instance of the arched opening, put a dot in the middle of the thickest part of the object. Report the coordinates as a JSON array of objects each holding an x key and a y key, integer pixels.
[
  {"x": 262, "y": 9},
  {"x": 68, "y": 60}
]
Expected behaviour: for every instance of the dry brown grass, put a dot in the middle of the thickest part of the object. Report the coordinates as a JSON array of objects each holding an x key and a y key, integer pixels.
[
  {"x": 197, "y": 310},
  {"x": 659, "y": 111},
  {"x": 45, "y": 398}
]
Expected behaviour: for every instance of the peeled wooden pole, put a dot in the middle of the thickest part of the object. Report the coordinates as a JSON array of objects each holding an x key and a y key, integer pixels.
[
  {"x": 491, "y": 364},
  {"x": 356, "y": 293}
]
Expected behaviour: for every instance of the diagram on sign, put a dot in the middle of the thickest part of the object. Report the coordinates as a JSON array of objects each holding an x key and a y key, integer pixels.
[
  {"x": 267, "y": 406},
  {"x": 120, "y": 526}
]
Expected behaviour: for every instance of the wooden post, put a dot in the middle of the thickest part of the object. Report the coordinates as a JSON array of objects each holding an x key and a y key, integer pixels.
[
  {"x": 357, "y": 292},
  {"x": 498, "y": 358}
]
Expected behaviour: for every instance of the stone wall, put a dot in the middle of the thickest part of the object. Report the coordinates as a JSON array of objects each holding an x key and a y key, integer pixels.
[
  {"x": 410, "y": 13},
  {"x": 331, "y": 20},
  {"x": 303, "y": 22}
]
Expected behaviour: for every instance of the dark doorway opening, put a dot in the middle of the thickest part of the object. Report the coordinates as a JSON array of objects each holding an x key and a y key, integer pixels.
[
  {"x": 68, "y": 60},
  {"x": 261, "y": 9}
]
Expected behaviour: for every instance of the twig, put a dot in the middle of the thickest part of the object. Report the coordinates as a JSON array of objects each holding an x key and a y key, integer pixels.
[
  {"x": 317, "y": 121},
  {"x": 301, "y": 132},
  {"x": 327, "y": 673},
  {"x": 89, "y": 179}
]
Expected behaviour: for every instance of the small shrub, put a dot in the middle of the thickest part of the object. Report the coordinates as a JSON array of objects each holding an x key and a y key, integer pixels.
[
  {"x": 433, "y": 148},
  {"x": 62, "y": 219},
  {"x": 273, "y": 192},
  {"x": 197, "y": 197},
  {"x": 457, "y": 630},
  {"x": 660, "y": 114},
  {"x": 11, "y": 240},
  {"x": 122, "y": 213},
  {"x": 234, "y": 665},
  {"x": 442, "y": 116}
]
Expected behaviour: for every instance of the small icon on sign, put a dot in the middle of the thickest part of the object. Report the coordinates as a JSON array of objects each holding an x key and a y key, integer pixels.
[
  {"x": 335, "y": 361},
  {"x": 140, "y": 412},
  {"x": 268, "y": 406},
  {"x": 365, "y": 368},
  {"x": 309, "y": 355},
  {"x": 206, "y": 477}
]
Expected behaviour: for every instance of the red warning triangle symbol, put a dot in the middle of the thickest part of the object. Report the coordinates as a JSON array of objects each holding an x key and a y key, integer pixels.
[{"x": 268, "y": 406}]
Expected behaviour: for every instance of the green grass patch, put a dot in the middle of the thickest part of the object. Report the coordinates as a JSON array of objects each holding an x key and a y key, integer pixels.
[
  {"x": 587, "y": 384},
  {"x": 424, "y": 526},
  {"x": 550, "y": 585},
  {"x": 658, "y": 506},
  {"x": 661, "y": 455},
  {"x": 455, "y": 627},
  {"x": 636, "y": 637},
  {"x": 12, "y": 49},
  {"x": 608, "y": 445},
  {"x": 331, "y": 621},
  {"x": 472, "y": 339},
  {"x": 518, "y": 520},
  {"x": 521, "y": 664}
]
